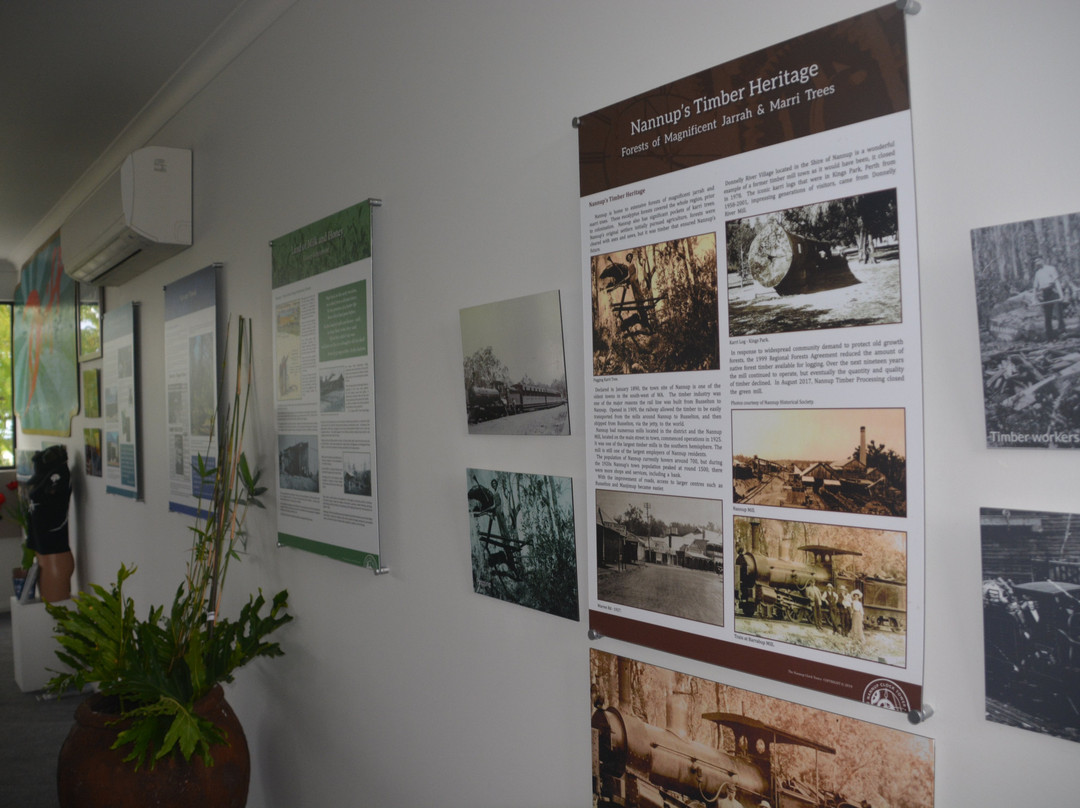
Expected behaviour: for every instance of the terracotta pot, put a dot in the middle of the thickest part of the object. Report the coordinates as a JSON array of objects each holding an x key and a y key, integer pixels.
[{"x": 91, "y": 775}]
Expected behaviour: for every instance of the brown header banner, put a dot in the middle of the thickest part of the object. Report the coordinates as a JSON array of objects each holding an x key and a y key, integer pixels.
[{"x": 842, "y": 74}]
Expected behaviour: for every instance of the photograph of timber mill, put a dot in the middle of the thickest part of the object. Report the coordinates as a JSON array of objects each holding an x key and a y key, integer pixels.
[
  {"x": 832, "y": 264},
  {"x": 661, "y": 554},
  {"x": 846, "y": 460}
]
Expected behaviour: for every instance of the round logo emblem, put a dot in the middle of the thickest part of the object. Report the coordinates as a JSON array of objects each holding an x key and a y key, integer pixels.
[{"x": 886, "y": 694}]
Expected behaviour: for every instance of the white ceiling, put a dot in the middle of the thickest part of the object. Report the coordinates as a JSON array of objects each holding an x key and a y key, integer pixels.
[{"x": 76, "y": 76}]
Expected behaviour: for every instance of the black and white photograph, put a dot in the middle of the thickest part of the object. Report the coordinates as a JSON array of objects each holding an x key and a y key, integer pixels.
[
  {"x": 654, "y": 308},
  {"x": 357, "y": 473},
  {"x": 1026, "y": 276},
  {"x": 665, "y": 738},
  {"x": 832, "y": 264},
  {"x": 112, "y": 407},
  {"x": 1031, "y": 619},
  {"x": 835, "y": 588},
  {"x": 521, "y": 534},
  {"x": 332, "y": 391},
  {"x": 661, "y": 554},
  {"x": 515, "y": 367},
  {"x": 846, "y": 460},
  {"x": 298, "y": 462}
]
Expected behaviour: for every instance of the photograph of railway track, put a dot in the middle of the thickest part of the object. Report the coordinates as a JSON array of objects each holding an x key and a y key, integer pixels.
[
  {"x": 654, "y": 308},
  {"x": 523, "y": 541},
  {"x": 838, "y": 589},
  {"x": 661, "y": 737},
  {"x": 515, "y": 367},
  {"x": 661, "y": 554},
  {"x": 1026, "y": 287},
  {"x": 832, "y": 264},
  {"x": 846, "y": 460},
  {"x": 1031, "y": 619}
]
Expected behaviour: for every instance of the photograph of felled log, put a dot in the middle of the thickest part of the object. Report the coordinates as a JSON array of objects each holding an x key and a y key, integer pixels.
[
  {"x": 794, "y": 265},
  {"x": 832, "y": 264},
  {"x": 654, "y": 308}
]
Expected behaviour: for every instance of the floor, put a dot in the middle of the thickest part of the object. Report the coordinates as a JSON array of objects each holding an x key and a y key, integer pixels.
[{"x": 32, "y": 730}]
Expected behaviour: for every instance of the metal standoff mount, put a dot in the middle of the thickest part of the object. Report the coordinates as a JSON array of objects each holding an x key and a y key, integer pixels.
[
  {"x": 595, "y": 635},
  {"x": 575, "y": 122},
  {"x": 909, "y": 7},
  {"x": 381, "y": 570},
  {"x": 918, "y": 716}
]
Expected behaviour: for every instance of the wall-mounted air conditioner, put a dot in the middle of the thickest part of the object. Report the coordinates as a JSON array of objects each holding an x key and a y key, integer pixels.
[{"x": 138, "y": 217}]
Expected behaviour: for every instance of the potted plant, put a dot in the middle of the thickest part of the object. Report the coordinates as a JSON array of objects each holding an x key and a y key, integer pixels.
[{"x": 159, "y": 707}]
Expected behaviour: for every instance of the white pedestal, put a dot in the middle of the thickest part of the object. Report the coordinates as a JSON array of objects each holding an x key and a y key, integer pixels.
[{"x": 33, "y": 645}]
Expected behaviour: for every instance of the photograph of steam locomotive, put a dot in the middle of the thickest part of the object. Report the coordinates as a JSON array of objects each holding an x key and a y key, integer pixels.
[
  {"x": 515, "y": 369},
  {"x": 1031, "y": 619},
  {"x": 521, "y": 529},
  {"x": 821, "y": 460},
  {"x": 664, "y": 738},
  {"x": 835, "y": 588},
  {"x": 654, "y": 308},
  {"x": 832, "y": 264},
  {"x": 661, "y": 554},
  {"x": 1027, "y": 288}
]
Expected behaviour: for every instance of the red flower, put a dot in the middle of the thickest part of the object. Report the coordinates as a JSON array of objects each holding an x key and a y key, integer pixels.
[
  {"x": 3, "y": 499},
  {"x": 12, "y": 485}
]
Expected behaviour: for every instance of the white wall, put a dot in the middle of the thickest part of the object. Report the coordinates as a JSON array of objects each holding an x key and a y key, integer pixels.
[{"x": 408, "y": 689}]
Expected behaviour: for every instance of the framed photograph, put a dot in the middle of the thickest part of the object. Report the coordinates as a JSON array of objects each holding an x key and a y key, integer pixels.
[
  {"x": 514, "y": 367},
  {"x": 92, "y": 442},
  {"x": 92, "y": 393},
  {"x": 663, "y": 737},
  {"x": 91, "y": 307},
  {"x": 1029, "y": 331},
  {"x": 1031, "y": 622},
  {"x": 522, "y": 539}
]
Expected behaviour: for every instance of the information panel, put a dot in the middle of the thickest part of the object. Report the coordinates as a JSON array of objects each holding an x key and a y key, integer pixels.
[
  {"x": 191, "y": 378},
  {"x": 120, "y": 383},
  {"x": 754, "y": 408},
  {"x": 324, "y": 392}
]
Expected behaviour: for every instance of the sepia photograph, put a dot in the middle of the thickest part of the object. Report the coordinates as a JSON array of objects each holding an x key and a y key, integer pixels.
[
  {"x": 521, "y": 529},
  {"x": 1031, "y": 619},
  {"x": 846, "y": 460},
  {"x": 832, "y": 264},
  {"x": 664, "y": 738},
  {"x": 661, "y": 554},
  {"x": 839, "y": 589},
  {"x": 515, "y": 367},
  {"x": 654, "y": 308},
  {"x": 1026, "y": 276}
]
